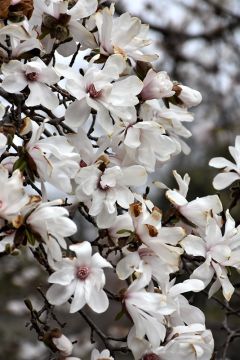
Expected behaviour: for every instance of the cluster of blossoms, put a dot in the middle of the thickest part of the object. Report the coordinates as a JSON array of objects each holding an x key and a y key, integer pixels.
[{"x": 91, "y": 118}]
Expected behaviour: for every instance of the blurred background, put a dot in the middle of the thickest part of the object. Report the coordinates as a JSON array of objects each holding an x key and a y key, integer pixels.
[{"x": 199, "y": 45}]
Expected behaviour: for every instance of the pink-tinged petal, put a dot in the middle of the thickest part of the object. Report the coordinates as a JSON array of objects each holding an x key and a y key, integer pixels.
[
  {"x": 63, "y": 276},
  {"x": 188, "y": 285},
  {"x": 223, "y": 180},
  {"x": 132, "y": 138},
  {"x": 79, "y": 298},
  {"x": 194, "y": 245},
  {"x": 97, "y": 300},
  {"x": 221, "y": 162},
  {"x": 14, "y": 83},
  {"x": 77, "y": 113},
  {"x": 58, "y": 294},
  {"x": 41, "y": 94},
  {"x": 99, "y": 261}
]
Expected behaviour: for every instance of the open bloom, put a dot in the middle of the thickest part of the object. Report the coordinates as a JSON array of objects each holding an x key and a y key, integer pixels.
[
  {"x": 231, "y": 171},
  {"x": 37, "y": 76},
  {"x": 197, "y": 210},
  {"x": 124, "y": 35},
  {"x": 51, "y": 222},
  {"x": 102, "y": 90},
  {"x": 54, "y": 157},
  {"x": 102, "y": 189},
  {"x": 12, "y": 195},
  {"x": 219, "y": 251},
  {"x": 82, "y": 277}
]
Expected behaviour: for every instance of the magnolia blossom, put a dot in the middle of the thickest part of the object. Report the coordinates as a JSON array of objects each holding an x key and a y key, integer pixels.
[
  {"x": 51, "y": 222},
  {"x": 161, "y": 240},
  {"x": 99, "y": 90},
  {"x": 156, "y": 85},
  {"x": 102, "y": 188},
  {"x": 191, "y": 342},
  {"x": 82, "y": 277},
  {"x": 37, "y": 76},
  {"x": 12, "y": 195},
  {"x": 198, "y": 210},
  {"x": 218, "y": 251},
  {"x": 231, "y": 171},
  {"x": 54, "y": 157},
  {"x": 147, "y": 310},
  {"x": 187, "y": 95},
  {"x": 124, "y": 35},
  {"x": 61, "y": 22}
]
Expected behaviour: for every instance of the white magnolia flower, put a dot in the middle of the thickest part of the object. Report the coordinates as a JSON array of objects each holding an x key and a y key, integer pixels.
[
  {"x": 99, "y": 90},
  {"x": 219, "y": 251},
  {"x": 146, "y": 143},
  {"x": 104, "y": 355},
  {"x": 37, "y": 76},
  {"x": 187, "y": 95},
  {"x": 161, "y": 240},
  {"x": 171, "y": 119},
  {"x": 197, "y": 210},
  {"x": 12, "y": 195},
  {"x": 66, "y": 22},
  {"x": 82, "y": 277},
  {"x": 191, "y": 342},
  {"x": 3, "y": 143},
  {"x": 185, "y": 313},
  {"x": 102, "y": 189},
  {"x": 147, "y": 310},
  {"x": 22, "y": 38},
  {"x": 55, "y": 158},
  {"x": 51, "y": 222},
  {"x": 156, "y": 85},
  {"x": 231, "y": 171},
  {"x": 124, "y": 35}
]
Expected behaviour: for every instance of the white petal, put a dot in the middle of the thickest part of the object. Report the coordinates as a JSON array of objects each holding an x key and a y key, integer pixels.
[
  {"x": 79, "y": 298},
  {"x": 221, "y": 162},
  {"x": 194, "y": 245},
  {"x": 77, "y": 113},
  {"x": 97, "y": 300},
  {"x": 41, "y": 94},
  {"x": 58, "y": 294},
  {"x": 223, "y": 180},
  {"x": 83, "y": 251},
  {"x": 63, "y": 276}
]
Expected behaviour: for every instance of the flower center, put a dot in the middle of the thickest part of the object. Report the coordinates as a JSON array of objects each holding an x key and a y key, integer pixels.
[
  {"x": 82, "y": 272},
  {"x": 151, "y": 357},
  {"x": 33, "y": 76},
  {"x": 93, "y": 92}
]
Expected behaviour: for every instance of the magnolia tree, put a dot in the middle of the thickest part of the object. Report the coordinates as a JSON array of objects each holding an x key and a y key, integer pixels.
[{"x": 84, "y": 111}]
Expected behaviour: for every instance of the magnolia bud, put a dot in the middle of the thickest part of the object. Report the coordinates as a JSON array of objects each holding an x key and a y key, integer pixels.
[
  {"x": 156, "y": 85},
  {"x": 62, "y": 343},
  {"x": 187, "y": 95}
]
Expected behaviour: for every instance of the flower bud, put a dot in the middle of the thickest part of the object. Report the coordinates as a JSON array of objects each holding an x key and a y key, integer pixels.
[
  {"x": 187, "y": 95},
  {"x": 156, "y": 85}
]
